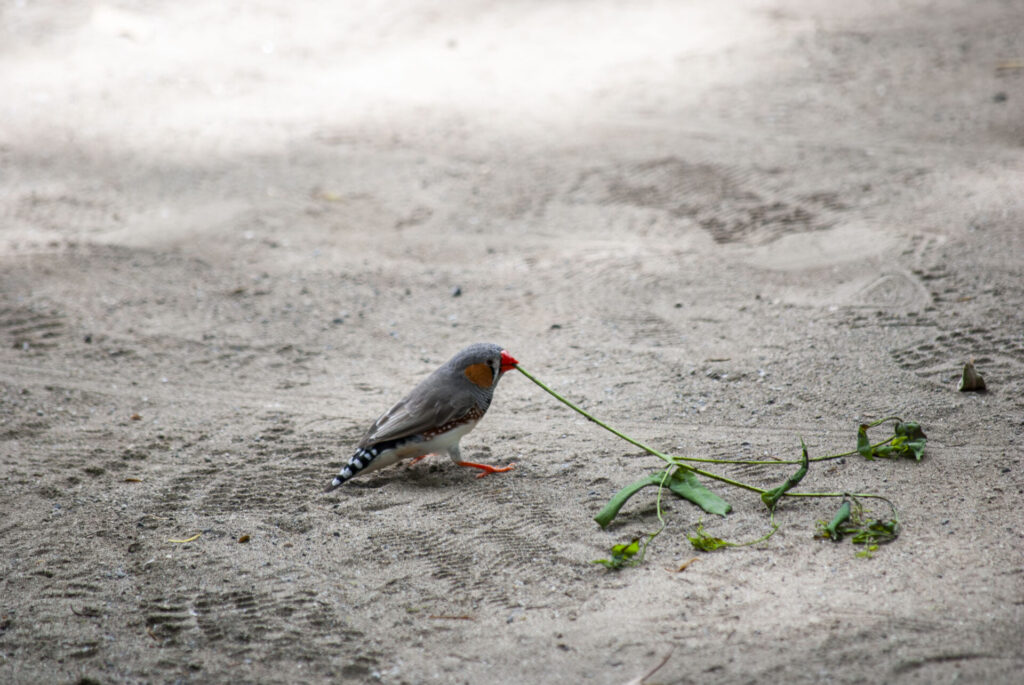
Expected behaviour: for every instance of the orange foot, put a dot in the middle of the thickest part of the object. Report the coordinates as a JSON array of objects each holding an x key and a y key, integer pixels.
[
  {"x": 487, "y": 470},
  {"x": 418, "y": 459}
]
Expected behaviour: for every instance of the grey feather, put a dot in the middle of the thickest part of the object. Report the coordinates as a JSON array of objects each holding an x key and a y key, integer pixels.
[{"x": 443, "y": 396}]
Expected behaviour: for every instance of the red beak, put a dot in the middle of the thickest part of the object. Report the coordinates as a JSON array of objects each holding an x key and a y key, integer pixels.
[{"x": 508, "y": 362}]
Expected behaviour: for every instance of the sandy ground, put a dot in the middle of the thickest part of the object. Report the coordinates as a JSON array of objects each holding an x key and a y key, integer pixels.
[{"x": 231, "y": 236}]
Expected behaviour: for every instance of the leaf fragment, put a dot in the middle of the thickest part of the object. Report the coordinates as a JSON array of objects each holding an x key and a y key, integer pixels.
[
  {"x": 622, "y": 555},
  {"x": 706, "y": 543}
]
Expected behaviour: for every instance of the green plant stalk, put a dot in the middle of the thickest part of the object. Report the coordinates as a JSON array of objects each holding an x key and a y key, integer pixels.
[
  {"x": 650, "y": 450},
  {"x": 602, "y": 424},
  {"x": 708, "y": 474},
  {"x": 774, "y": 462},
  {"x": 661, "y": 519},
  {"x": 771, "y": 462}
]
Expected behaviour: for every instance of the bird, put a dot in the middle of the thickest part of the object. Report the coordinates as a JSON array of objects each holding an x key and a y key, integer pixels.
[{"x": 435, "y": 415}]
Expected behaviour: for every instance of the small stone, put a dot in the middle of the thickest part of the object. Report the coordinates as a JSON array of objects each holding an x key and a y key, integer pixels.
[{"x": 456, "y": 291}]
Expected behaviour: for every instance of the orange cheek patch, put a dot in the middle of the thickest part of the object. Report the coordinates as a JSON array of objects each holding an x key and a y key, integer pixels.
[{"x": 480, "y": 374}]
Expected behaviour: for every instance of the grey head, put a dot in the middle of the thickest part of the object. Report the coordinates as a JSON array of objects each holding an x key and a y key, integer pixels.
[{"x": 472, "y": 372}]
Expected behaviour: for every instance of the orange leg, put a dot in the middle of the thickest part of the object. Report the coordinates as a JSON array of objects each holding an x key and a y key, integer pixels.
[
  {"x": 418, "y": 459},
  {"x": 487, "y": 470}
]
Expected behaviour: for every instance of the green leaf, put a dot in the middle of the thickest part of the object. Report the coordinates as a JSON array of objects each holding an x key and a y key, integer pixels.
[
  {"x": 621, "y": 555},
  {"x": 771, "y": 497},
  {"x": 863, "y": 444},
  {"x": 908, "y": 440},
  {"x": 910, "y": 429},
  {"x": 703, "y": 542},
  {"x": 912, "y": 437},
  {"x": 917, "y": 447},
  {"x": 864, "y": 531},
  {"x": 685, "y": 484},
  {"x": 842, "y": 516},
  {"x": 875, "y": 531},
  {"x": 867, "y": 552},
  {"x": 611, "y": 510}
]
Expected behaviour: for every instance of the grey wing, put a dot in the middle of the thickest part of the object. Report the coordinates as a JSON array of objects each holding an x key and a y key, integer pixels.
[{"x": 414, "y": 414}]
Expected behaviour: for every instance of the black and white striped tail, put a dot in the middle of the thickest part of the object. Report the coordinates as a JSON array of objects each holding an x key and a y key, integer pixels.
[{"x": 356, "y": 463}]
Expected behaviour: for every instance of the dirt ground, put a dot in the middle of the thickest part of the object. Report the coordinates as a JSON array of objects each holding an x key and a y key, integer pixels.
[{"x": 234, "y": 233}]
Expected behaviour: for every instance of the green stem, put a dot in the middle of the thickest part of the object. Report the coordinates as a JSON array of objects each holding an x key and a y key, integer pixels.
[
  {"x": 676, "y": 461},
  {"x": 723, "y": 479},
  {"x": 602, "y": 424},
  {"x": 773, "y": 462},
  {"x": 651, "y": 536}
]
